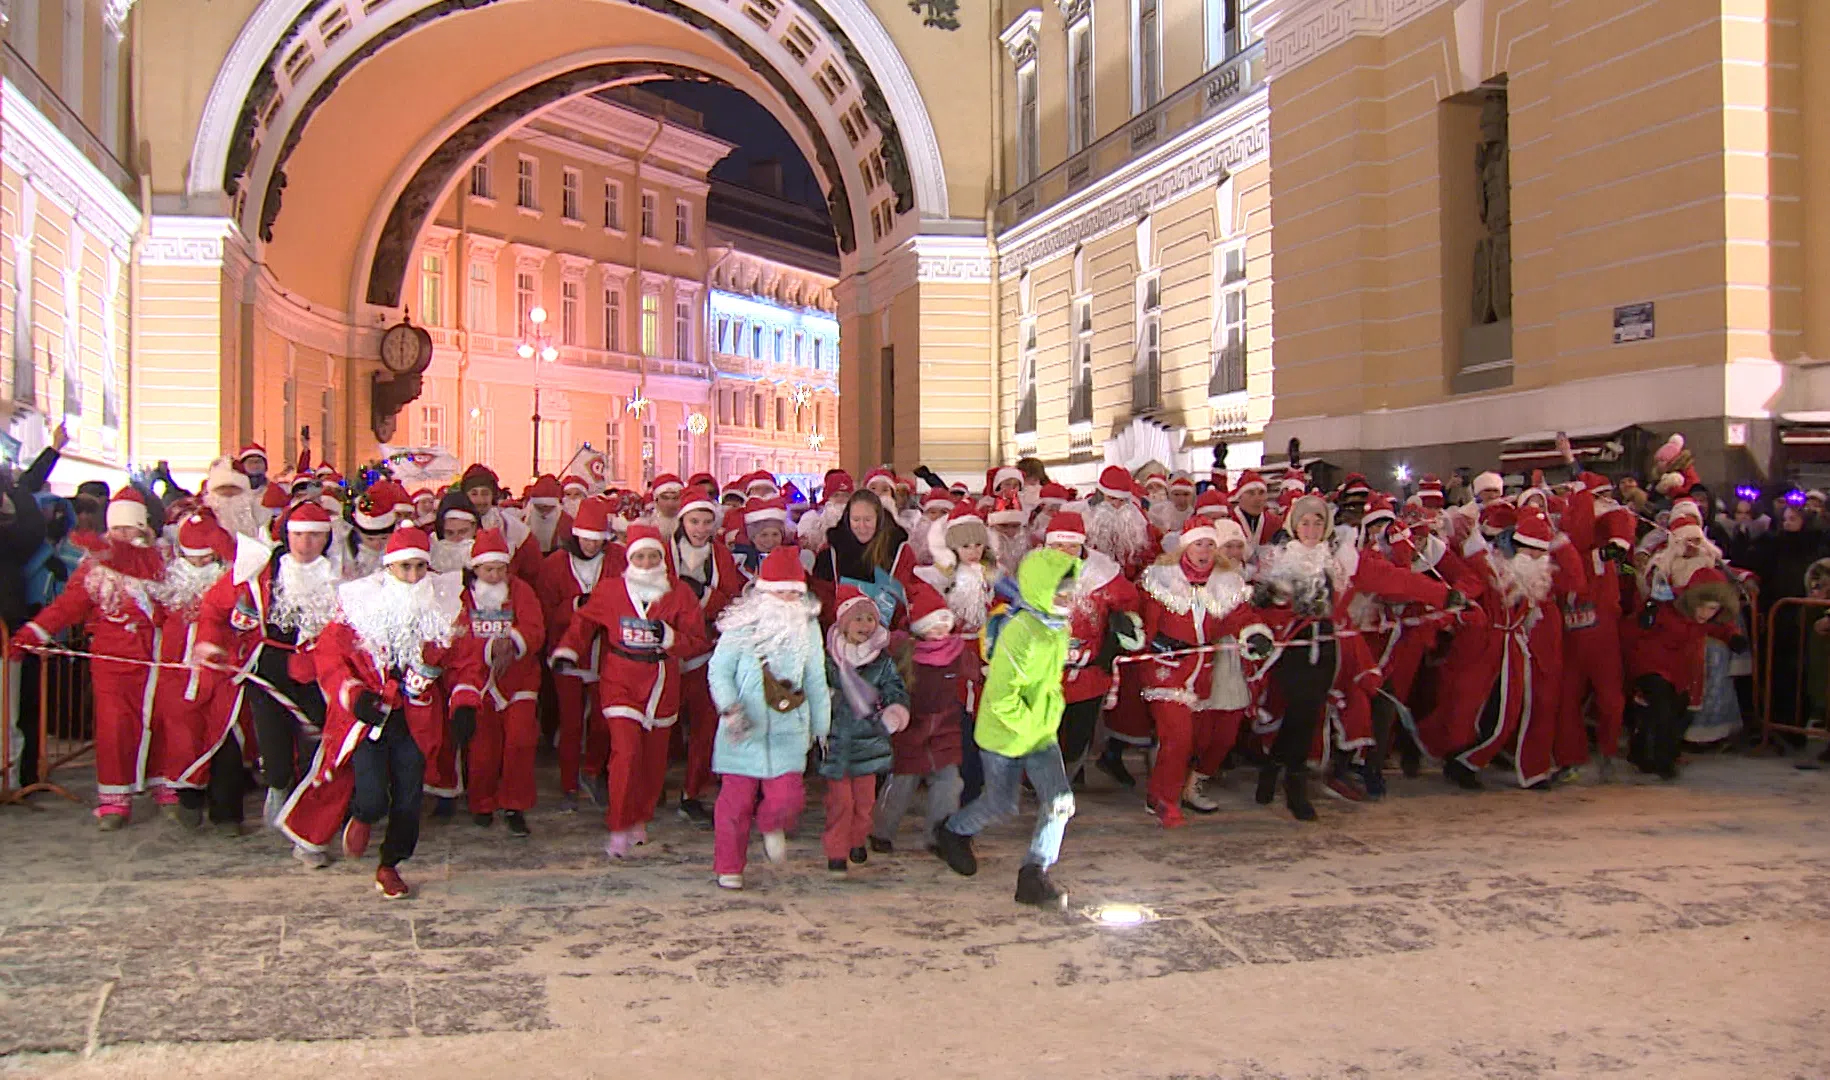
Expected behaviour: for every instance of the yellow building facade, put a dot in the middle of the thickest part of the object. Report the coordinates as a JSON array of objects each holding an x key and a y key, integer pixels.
[{"x": 1403, "y": 231}]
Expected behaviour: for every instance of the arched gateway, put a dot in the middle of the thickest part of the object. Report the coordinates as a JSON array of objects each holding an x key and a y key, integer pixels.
[{"x": 333, "y": 131}]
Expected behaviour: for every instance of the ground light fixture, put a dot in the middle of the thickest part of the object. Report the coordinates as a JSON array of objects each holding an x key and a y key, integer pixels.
[{"x": 1120, "y": 916}]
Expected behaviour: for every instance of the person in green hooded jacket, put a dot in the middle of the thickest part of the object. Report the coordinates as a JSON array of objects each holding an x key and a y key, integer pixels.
[{"x": 1019, "y": 713}]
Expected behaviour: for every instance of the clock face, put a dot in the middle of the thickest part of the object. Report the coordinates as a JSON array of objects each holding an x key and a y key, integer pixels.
[{"x": 400, "y": 349}]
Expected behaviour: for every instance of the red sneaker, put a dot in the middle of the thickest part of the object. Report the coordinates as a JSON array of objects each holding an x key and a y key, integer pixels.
[
  {"x": 1169, "y": 816},
  {"x": 389, "y": 885},
  {"x": 355, "y": 839},
  {"x": 1344, "y": 788}
]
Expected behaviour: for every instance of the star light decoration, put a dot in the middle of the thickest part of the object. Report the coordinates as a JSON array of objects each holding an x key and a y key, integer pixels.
[
  {"x": 815, "y": 441},
  {"x": 696, "y": 423},
  {"x": 800, "y": 395},
  {"x": 638, "y": 404}
]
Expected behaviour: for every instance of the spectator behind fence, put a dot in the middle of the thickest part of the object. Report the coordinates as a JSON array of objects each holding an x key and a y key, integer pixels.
[
  {"x": 1740, "y": 530},
  {"x": 1780, "y": 559}
]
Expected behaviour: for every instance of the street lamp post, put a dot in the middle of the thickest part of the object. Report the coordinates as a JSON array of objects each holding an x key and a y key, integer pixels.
[{"x": 537, "y": 343}]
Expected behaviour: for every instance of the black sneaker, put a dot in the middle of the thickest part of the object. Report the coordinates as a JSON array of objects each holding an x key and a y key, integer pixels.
[
  {"x": 837, "y": 866},
  {"x": 517, "y": 823},
  {"x": 882, "y": 846},
  {"x": 1034, "y": 888},
  {"x": 956, "y": 851},
  {"x": 860, "y": 855},
  {"x": 1462, "y": 776},
  {"x": 1267, "y": 783},
  {"x": 445, "y": 807},
  {"x": 1410, "y": 759},
  {"x": 483, "y": 821},
  {"x": 1112, "y": 763},
  {"x": 694, "y": 811}
]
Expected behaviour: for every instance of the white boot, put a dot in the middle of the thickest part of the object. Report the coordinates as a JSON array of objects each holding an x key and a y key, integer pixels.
[
  {"x": 730, "y": 881},
  {"x": 276, "y": 802},
  {"x": 1194, "y": 795},
  {"x": 775, "y": 846}
]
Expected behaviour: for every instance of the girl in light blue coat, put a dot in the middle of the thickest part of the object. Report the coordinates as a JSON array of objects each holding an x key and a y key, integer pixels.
[{"x": 768, "y": 679}]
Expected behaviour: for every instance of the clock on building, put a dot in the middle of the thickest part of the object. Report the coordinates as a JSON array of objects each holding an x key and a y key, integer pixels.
[{"x": 406, "y": 349}]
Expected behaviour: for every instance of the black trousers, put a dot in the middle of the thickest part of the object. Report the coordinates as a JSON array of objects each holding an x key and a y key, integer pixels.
[
  {"x": 1660, "y": 736},
  {"x": 390, "y": 775},
  {"x": 1304, "y": 682},
  {"x": 1078, "y": 722},
  {"x": 286, "y": 750},
  {"x": 224, "y": 791}
]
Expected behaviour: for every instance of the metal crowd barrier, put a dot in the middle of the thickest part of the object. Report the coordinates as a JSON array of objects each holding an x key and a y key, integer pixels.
[
  {"x": 66, "y": 720},
  {"x": 1794, "y": 724}
]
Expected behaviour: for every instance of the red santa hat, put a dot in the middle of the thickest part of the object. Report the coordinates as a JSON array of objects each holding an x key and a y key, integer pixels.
[
  {"x": 592, "y": 522},
  {"x": 1379, "y": 508},
  {"x": 1533, "y": 529},
  {"x": 937, "y": 497},
  {"x": 1066, "y": 527},
  {"x": 643, "y": 537},
  {"x": 546, "y": 488},
  {"x": 781, "y": 573},
  {"x": 1199, "y": 528},
  {"x": 274, "y": 497},
  {"x": 665, "y": 484},
  {"x": 253, "y": 449},
  {"x": 704, "y": 480},
  {"x": 1355, "y": 486},
  {"x": 732, "y": 526},
  {"x": 1250, "y": 481},
  {"x": 573, "y": 484},
  {"x": 758, "y": 479},
  {"x": 964, "y": 511},
  {"x": 375, "y": 511},
  {"x": 1429, "y": 493},
  {"x": 1054, "y": 495},
  {"x": 847, "y": 599},
  {"x": 463, "y": 512},
  {"x": 1115, "y": 482},
  {"x": 127, "y": 508},
  {"x": 928, "y": 611},
  {"x": 1004, "y": 475},
  {"x": 489, "y": 547},
  {"x": 837, "y": 483},
  {"x": 762, "y": 511},
  {"x": 480, "y": 476},
  {"x": 1616, "y": 526},
  {"x": 1212, "y": 504},
  {"x": 308, "y": 517},
  {"x": 1488, "y": 482},
  {"x": 1007, "y": 511},
  {"x": 1294, "y": 480},
  {"x": 1181, "y": 482},
  {"x": 1497, "y": 517},
  {"x": 423, "y": 494},
  {"x": 880, "y": 473},
  {"x": 408, "y": 542},
  {"x": 1592, "y": 483},
  {"x": 201, "y": 535},
  {"x": 698, "y": 499},
  {"x": 959, "y": 489},
  {"x": 1684, "y": 509}
]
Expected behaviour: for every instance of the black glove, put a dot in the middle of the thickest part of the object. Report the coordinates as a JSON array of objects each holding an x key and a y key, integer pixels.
[
  {"x": 463, "y": 723},
  {"x": 1648, "y": 615},
  {"x": 1455, "y": 601},
  {"x": 370, "y": 709},
  {"x": 1263, "y": 595},
  {"x": 1614, "y": 553},
  {"x": 1257, "y": 646},
  {"x": 1739, "y": 643},
  {"x": 930, "y": 477}
]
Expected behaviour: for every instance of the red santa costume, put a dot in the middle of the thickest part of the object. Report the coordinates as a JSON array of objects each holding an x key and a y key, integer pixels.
[
  {"x": 711, "y": 573},
  {"x": 1503, "y": 680},
  {"x": 509, "y": 626},
  {"x": 545, "y": 516},
  {"x": 1104, "y": 602},
  {"x": 196, "y": 713},
  {"x": 397, "y": 657},
  {"x": 936, "y": 505},
  {"x": 112, "y": 595},
  {"x": 812, "y": 526},
  {"x": 1261, "y": 527},
  {"x": 524, "y": 552},
  {"x": 648, "y": 621},
  {"x": 1186, "y": 606},
  {"x": 567, "y": 580},
  {"x": 1602, "y": 533}
]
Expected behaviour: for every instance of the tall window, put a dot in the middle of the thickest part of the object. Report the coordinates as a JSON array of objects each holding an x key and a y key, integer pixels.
[
  {"x": 613, "y": 441},
  {"x": 817, "y": 358},
  {"x": 527, "y": 183},
  {"x": 74, "y": 65},
  {"x": 800, "y": 349},
  {"x": 431, "y": 425},
  {"x": 613, "y": 318},
  {"x": 683, "y": 225},
  {"x": 756, "y": 333},
  {"x": 480, "y": 185},
  {"x": 573, "y": 183},
  {"x": 1029, "y": 124},
  {"x": 758, "y": 404},
  {"x": 1146, "y": 55},
  {"x": 568, "y": 313},
  {"x": 328, "y": 406},
  {"x": 683, "y": 330},
  {"x": 1080, "y": 84},
  {"x": 780, "y": 336},
  {"x": 1026, "y": 378},
  {"x": 683, "y": 452},
  {"x": 651, "y": 324},
  {"x": 555, "y": 442},
  {"x": 649, "y": 209},
  {"x": 613, "y": 205},
  {"x": 1147, "y": 364},
  {"x": 1080, "y": 405},
  {"x": 481, "y": 313},
  {"x": 432, "y": 290},
  {"x": 1228, "y": 336},
  {"x": 1223, "y": 37},
  {"x": 524, "y": 302},
  {"x": 479, "y": 439},
  {"x": 781, "y": 414}
]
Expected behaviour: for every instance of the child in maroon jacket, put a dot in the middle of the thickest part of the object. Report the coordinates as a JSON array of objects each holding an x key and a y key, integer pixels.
[
  {"x": 932, "y": 745},
  {"x": 1665, "y": 660}
]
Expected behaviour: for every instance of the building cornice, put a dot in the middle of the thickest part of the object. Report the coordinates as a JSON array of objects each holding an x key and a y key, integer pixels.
[
  {"x": 1298, "y": 31},
  {"x": 529, "y": 256},
  {"x": 34, "y": 148},
  {"x": 1019, "y": 38},
  {"x": 623, "y": 126},
  {"x": 1236, "y": 139},
  {"x": 963, "y": 259},
  {"x": 574, "y": 267},
  {"x": 173, "y": 240}
]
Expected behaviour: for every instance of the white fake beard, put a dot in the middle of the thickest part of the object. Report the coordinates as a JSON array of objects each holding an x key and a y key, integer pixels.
[
  {"x": 693, "y": 562},
  {"x": 185, "y": 583},
  {"x": 969, "y": 596},
  {"x": 919, "y": 542},
  {"x": 571, "y": 503},
  {"x": 889, "y": 503},
  {"x": 1526, "y": 577},
  {"x": 1166, "y": 517},
  {"x": 647, "y": 586},
  {"x": 307, "y": 599},
  {"x": 239, "y": 514},
  {"x": 366, "y": 561},
  {"x": 396, "y": 621},
  {"x": 450, "y": 556},
  {"x": 489, "y": 597},
  {"x": 666, "y": 526},
  {"x": 1118, "y": 529},
  {"x": 1010, "y": 552},
  {"x": 1302, "y": 573},
  {"x": 771, "y": 627},
  {"x": 544, "y": 524}
]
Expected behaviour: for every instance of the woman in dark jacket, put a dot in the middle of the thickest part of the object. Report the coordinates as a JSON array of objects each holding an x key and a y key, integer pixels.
[
  {"x": 1780, "y": 560},
  {"x": 864, "y": 551}
]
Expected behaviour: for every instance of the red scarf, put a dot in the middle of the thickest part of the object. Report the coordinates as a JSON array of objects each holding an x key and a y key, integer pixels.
[{"x": 1195, "y": 577}]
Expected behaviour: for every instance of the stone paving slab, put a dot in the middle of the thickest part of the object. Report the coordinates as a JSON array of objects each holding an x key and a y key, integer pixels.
[{"x": 151, "y": 950}]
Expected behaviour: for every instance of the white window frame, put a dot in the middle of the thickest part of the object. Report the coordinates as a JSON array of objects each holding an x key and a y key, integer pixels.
[
  {"x": 431, "y": 288},
  {"x": 683, "y": 329},
  {"x": 1029, "y": 124},
  {"x": 613, "y": 207},
  {"x": 651, "y": 214},
  {"x": 76, "y": 68},
  {"x": 1147, "y": 348},
  {"x": 651, "y": 322},
  {"x": 683, "y": 451},
  {"x": 1225, "y": 291},
  {"x": 527, "y": 294},
  {"x": 431, "y": 425},
  {"x": 613, "y": 318},
  {"x": 481, "y": 311},
  {"x": 480, "y": 440},
  {"x": 1080, "y": 127},
  {"x": 1026, "y": 373},
  {"x": 485, "y": 190},
  {"x": 1219, "y": 45},
  {"x": 683, "y": 224},
  {"x": 571, "y": 192},
  {"x": 1146, "y": 55},
  {"x": 568, "y": 313},
  {"x": 527, "y": 184},
  {"x": 613, "y": 441}
]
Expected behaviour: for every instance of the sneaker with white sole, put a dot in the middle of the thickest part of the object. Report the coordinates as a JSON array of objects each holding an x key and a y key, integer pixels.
[
  {"x": 317, "y": 860},
  {"x": 734, "y": 882},
  {"x": 1194, "y": 795},
  {"x": 775, "y": 846},
  {"x": 270, "y": 810}
]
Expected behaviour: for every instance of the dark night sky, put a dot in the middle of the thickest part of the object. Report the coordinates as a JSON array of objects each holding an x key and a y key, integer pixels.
[{"x": 731, "y": 115}]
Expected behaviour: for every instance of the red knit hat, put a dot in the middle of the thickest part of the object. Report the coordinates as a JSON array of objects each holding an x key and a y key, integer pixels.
[
  {"x": 781, "y": 572},
  {"x": 1066, "y": 527},
  {"x": 592, "y": 522},
  {"x": 488, "y": 547},
  {"x": 408, "y": 542},
  {"x": 849, "y": 597},
  {"x": 928, "y": 611}
]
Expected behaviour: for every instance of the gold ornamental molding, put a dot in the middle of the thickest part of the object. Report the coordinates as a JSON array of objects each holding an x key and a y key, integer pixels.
[{"x": 1298, "y": 31}]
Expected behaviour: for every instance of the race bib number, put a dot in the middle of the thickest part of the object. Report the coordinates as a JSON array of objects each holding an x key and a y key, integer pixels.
[
  {"x": 418, "y": 680},
  {"x": 1078, "y": 654},
  {"x": 1579, "y": 617},
  {"x": 641, "y": 635},
  {"x": 492, "y": 624},
  {"x": 243, "y": 618}
]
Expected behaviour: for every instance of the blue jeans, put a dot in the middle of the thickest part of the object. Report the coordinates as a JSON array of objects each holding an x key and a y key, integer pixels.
[
  {"x": 390, "y": 775},
  {"x": 1003, "y": 776}
]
